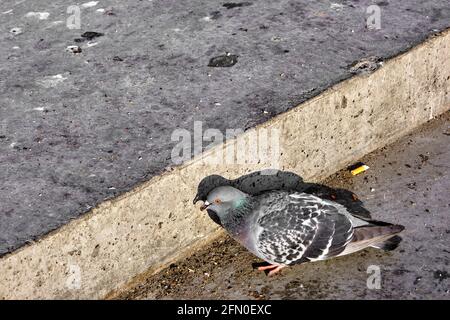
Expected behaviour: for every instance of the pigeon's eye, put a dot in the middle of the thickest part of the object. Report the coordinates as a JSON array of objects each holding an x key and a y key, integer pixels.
[{"x": 217, "y": 201}]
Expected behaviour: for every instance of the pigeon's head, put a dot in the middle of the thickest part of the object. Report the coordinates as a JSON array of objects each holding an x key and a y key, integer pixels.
[
  {"x": 208, "y": 184},
  {"x": 221, "y": 200}
]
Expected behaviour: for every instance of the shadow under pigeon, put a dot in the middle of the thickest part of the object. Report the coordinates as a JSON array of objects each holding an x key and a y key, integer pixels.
[{"x": 257, "y": 182}]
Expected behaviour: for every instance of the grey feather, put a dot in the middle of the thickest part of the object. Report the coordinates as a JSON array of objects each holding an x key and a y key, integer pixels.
[{"x": 299, "y": 227}]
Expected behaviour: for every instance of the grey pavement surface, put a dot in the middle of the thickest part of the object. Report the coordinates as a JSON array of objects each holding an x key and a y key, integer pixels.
[
  {"x": 407, "y": 183},
  {"x": 79, "y": 128}
]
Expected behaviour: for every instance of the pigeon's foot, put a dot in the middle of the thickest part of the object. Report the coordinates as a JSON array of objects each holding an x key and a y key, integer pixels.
[{"x": 273, "y": 269}]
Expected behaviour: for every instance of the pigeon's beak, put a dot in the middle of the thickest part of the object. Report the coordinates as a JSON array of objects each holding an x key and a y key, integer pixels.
[
  {"x": 196, "y": 199},
  {"x": 205, "y": 205}
]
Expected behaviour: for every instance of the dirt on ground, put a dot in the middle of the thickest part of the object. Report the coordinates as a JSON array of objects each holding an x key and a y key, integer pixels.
[{"x": 407, "y": 183}]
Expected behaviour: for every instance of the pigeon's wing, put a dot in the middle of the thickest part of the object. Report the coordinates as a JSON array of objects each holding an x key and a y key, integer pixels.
[{"x": 299, "y": 227}]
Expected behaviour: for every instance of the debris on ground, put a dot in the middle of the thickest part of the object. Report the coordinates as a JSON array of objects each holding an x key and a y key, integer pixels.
[
  {"x": 223, "y": 61},
  {"x": 74, "y": 49},
  {"x": 89, "y": 35},
  {"x": 366, "y": 65},
  {"x": 358, "y": 168},
  {"x": 16, "y": 31}
]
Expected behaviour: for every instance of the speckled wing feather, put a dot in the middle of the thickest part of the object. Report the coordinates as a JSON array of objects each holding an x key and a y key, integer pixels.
[{"x": 298, "y": 227}]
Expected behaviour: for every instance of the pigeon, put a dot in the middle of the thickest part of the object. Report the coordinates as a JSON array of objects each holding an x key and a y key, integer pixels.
[{"x": 285, "y": 227}]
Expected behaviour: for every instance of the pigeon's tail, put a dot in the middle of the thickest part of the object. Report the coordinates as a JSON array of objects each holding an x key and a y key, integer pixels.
[
  {"x": 389, "y": 244},
  {"x": 379, "y": 236}
]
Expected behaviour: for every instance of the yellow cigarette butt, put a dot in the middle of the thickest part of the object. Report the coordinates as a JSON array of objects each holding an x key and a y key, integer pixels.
[{"x": 359, "y": 170}]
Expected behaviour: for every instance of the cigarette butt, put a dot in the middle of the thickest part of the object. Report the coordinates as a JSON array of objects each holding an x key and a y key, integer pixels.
[{"x": 359, "y": 170}]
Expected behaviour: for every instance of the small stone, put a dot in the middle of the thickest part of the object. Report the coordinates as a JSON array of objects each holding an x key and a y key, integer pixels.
[
  {"x": 224, "y": 61},
  {"x": 16, "y": 31},
  {"x": 109, "y": 12},
  {"x": 441, "y": 275},
  {"x": 423, "y": 158},
  {"x": 89, "y": 35},
  {"x": 74, "y": 49},
  {"x": 366, "y": 65}
]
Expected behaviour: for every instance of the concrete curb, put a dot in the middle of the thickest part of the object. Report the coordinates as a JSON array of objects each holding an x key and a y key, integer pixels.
[{"x": 156, "y": 223}]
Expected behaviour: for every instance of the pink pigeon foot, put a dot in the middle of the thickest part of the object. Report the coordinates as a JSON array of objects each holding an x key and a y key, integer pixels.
[{"x": 273, "y": 269}]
